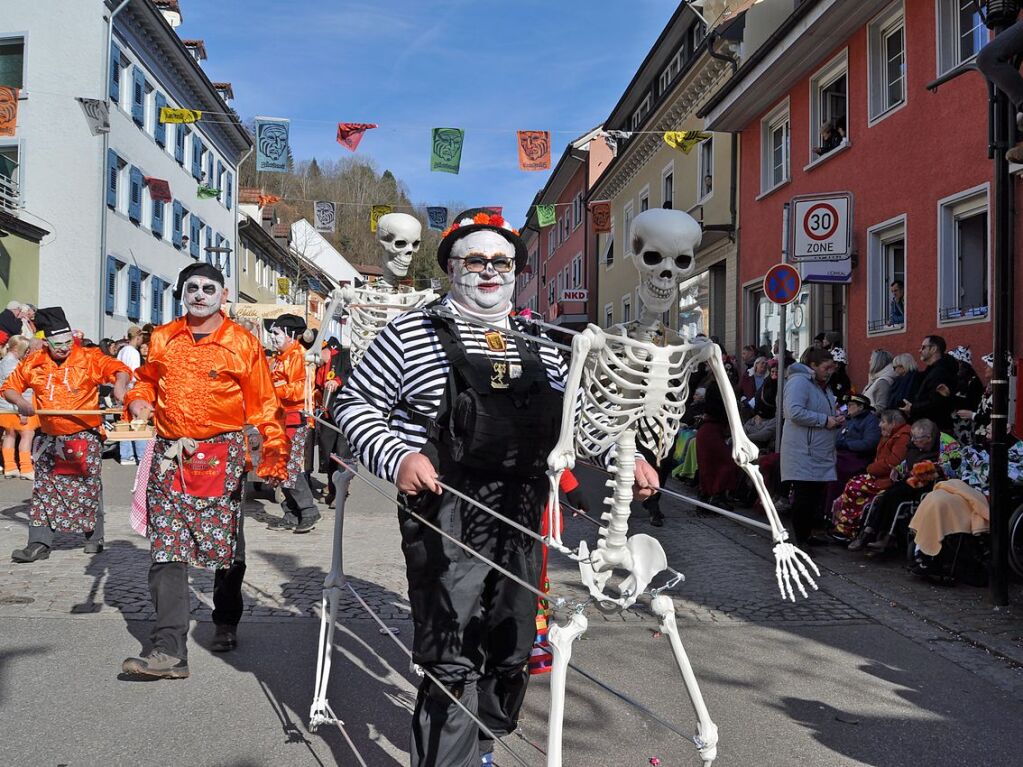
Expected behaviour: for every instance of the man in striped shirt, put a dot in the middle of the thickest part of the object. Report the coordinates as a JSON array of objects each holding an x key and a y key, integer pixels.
[{"x": 419, "y": 408}]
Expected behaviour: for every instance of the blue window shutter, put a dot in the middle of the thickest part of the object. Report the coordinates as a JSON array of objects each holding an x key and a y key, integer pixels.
[
  {"x": 197, "y": 148},
  {"x": 135, "y": 195},
  {"x": 138, "y": 96},
  {"x": 113, "y": 161},
  {"x": 179, "y": 143},
  {"x": 157, "y": 301},
  {"x": 210, "y": 179},
  {"x": 157, "y": 223},
  {"x": 111, "y": 286},
  {"x": 209, "y": 244},
  {"x": 179, "y": 217},
  {"x": 227, "y": 259},
  {"x": 134, "y": 292},
  {"x": 230, "y": 190},
  {"x": 115, "y": 74},
  {"x": 159, "y": 128},
  {"x": 193, "y": 242},
  {"x": 220, "y": 177}
]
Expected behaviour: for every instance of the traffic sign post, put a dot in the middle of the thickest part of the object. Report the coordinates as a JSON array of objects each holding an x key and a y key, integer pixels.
[{"x": 821, "y": 227}]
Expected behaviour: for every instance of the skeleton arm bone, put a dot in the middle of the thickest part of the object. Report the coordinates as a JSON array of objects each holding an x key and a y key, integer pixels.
[
  {"x": 338, "y": 299},
  {"x": 791, "y": 564}
]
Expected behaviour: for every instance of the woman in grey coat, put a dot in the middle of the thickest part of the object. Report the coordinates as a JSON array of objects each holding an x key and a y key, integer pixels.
[{"x": 808, "y": 440}]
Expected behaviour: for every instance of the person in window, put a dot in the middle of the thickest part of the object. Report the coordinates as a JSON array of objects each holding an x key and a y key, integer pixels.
[
  {"x": 997, "y": 61},
  {"x": 897, "y": 305},
  {"x": 831, "y": 139}
]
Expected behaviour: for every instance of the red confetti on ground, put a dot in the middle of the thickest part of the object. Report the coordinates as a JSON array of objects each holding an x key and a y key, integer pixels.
[{"x": 654, "y": 761}]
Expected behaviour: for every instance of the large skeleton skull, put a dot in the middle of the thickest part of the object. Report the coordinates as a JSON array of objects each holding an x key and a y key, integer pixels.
[
  {"x": 664, "y": 242},
  {"x": 401, "y": 235}
]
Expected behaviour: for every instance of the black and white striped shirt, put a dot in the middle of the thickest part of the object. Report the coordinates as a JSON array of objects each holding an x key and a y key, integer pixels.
[{"x": 405, "y": 369}]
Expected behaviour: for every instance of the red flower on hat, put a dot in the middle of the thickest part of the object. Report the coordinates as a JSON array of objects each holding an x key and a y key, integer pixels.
[{"x": 481, "y": 218}]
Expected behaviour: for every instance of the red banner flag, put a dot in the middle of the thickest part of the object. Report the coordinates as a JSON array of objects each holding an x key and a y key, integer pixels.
[
  {"x": 600, "y": 215},
  {"x": 159, "y": 190},
  {"x": 8, "y": 110},
  {"x": 534, "y": 149},
  {"x": 350, "y": 134},
  {"x": 268, "y": 199}
]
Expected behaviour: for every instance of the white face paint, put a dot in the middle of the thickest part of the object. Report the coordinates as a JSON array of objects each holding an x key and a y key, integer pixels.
[
  {"x": 202, "y": 296},
  {"x": 278, "y": 338},
  {"x": 489, "y": 291}
]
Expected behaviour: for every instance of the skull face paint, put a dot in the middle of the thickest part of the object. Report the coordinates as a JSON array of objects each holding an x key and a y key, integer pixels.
[
  {"x": 202, "y": 296},
  {"x": 664, "y": 242},
  {"x": 488, "y": 292},
  {"x": 60, "y": 345},
  {"x": 278, "y": 338},
  {"x": 401, "y": 235}
]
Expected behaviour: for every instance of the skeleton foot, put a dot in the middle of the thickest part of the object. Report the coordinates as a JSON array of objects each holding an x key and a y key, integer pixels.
[
  {"x": 560, "y": 639},
  {"x": 706, "y": 731}
]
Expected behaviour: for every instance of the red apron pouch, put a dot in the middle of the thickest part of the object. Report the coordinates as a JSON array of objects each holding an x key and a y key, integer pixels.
[
  {"x": 293, "y": 421},
  {"x": 71, "y": 458},
  {"x": 204, "y": 472}
]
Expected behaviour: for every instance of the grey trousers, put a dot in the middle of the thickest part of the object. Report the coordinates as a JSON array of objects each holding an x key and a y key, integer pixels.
[
  {"x": 299, "y": 500},
  {"x": 995, "y": 61}
]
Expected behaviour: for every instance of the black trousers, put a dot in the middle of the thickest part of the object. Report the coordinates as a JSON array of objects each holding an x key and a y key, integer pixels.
[
  {"x": 807, "y": 507},
  {"x": 995, "y": 61},
  {"x": 653, "y": 503},
  {"x": 883, "y": 513},
  {"x": 474, "y": 626},
  {"x": 168, "y": 588}
]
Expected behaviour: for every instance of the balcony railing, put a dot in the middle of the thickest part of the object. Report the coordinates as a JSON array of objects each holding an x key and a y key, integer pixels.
[{"x": 10, "y": 197}]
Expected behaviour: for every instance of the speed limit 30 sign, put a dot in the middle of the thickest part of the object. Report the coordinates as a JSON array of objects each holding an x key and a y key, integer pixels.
[{"x": 821, "y": 227}]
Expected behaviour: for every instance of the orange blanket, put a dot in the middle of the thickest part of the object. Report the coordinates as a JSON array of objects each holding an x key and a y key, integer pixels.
[{"x": 952, "y": 507}]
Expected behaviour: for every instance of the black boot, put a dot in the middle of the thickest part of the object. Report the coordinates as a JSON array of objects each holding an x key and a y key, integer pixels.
[
  {"x": 225, "y": 639},
  {"x": 31, "y": 553}
]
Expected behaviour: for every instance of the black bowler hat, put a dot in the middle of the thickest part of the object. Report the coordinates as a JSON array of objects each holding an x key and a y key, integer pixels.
[
  {"x": 475, "y": 220},
  {"x": 197, "y": 269},
  {"x": 291, "y": 324},
  {"x": 52, "y": 321}
]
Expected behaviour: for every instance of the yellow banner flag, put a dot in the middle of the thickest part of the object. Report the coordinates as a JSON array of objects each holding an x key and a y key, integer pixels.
[
  {"x": 172, "y": 115},
  {"x": 283, "y": 286},
  {"x": 375, "y": 214},
  {"x": 685, "y": 140}
]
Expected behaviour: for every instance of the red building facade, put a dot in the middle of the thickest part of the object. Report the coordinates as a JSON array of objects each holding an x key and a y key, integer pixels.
[{"x": 915, "y": 162}]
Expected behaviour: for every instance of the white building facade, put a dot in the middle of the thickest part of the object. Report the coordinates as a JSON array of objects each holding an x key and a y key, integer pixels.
[{"x": 114, "y": 252}]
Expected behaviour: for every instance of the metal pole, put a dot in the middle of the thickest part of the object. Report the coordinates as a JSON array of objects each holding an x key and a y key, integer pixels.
[
  {"x": 783, "y": 322},
  {"x": 1003, "y": 117}
]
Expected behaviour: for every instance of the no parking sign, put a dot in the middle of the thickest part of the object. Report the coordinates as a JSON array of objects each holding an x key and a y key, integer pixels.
[
  {"x": 782, "y": 284},
  {"x": 821, "y": 227}
]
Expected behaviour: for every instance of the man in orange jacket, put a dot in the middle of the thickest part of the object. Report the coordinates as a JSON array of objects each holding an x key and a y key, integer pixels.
[
  {"x": 288, "y": 373},
  {"x": 205, "y": 378},
  {"x": 67, "y": 493}
]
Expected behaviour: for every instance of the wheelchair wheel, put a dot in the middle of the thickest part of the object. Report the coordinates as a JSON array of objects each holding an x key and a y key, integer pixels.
[{"x": 1016, "y": 541}]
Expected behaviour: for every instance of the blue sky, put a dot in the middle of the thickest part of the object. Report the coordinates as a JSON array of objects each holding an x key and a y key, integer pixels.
[{"x": 410, "y": 66}]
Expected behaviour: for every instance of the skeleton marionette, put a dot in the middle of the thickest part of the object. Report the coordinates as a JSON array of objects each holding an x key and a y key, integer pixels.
[
  {"x": 371, "y": 307},
  {"x": 632, "y": 382}
]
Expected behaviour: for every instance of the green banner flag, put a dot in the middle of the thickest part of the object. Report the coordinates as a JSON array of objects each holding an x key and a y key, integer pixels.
[
  {"x": 545, "y": 215},
  {"x": 446, "y": 153},
  {"x": 206, "y": 192}
]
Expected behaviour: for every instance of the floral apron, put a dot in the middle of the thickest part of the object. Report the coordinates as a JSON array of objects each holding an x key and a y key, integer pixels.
[{"x": 68, "y": 486}]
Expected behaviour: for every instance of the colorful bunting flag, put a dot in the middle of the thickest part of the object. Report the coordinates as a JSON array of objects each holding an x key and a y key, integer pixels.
[
  {"x": 437, "y": 218},
  {"x": 685, "y": 140},
  {"x": 350, "y": 134},
  {"x": 600, "y": 215},
  {"x": 206, "y": 192},
  {"x": 534, "y": 149},
  {"x": 272, "y": 144},
  {"x": 268, "y": 199},
  {"x": 159, "y": 189},
  {"x": 172, "y": 115},
  {"x": 97, "y": 114},
  {"x": 375, "y": 213},
  {"x": 545, "y": 215},
  {"x": 325, "y": 216},
  {"x": 283, "y": 286},
  {"x": 446, "y": 153},
  {"x": 8, "y": 110}
]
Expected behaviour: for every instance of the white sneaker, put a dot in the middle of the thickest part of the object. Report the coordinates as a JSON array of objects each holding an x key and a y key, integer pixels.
[
  {"x": 129, "y": 462},
  {"x": 12, "y": 474},
  {"x": 29, "y": 475}
]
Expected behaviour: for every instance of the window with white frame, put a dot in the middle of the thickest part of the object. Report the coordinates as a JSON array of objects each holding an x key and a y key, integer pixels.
[
  {"x": 12, "y": 62},
  {"x": 550, "y": 293},
  {"x": 886, "y": 60},
  {"x": 566, "y": 224},
  {"x": 705, "y": 177},
  {"x": 609, "y": 315},
  {"x": 577, "y": 271},
  {"x": 608, "y": 255},
  {"x": 886, "y": 263},
  {"x": 551, "y": 241},
  {"x": 627, "y": 228},
  {"x": 774, "y": 143},
  {"x": 963, "y": 256},
  {"x": 670, "y": 72},
  {"x": 961, "y": 33},
  {"x": 627, "y": 308},
  {"x": 641, "y": 112},
  {"x": 829, "y": 107},
  {"x": 668, "y": 186},
  {"x": 644, "y": 199},
  {"x": 578, "y": 209}
]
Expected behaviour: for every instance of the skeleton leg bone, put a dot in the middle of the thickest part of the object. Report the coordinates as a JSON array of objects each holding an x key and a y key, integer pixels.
[
  {"x": 707, "y": 731},
  {"x": 332, "y": 586},
  {"x": 560, "y": 639}
]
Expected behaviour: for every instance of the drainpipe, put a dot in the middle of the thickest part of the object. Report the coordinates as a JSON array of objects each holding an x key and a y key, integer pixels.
[{"x": 103, "y": 177}]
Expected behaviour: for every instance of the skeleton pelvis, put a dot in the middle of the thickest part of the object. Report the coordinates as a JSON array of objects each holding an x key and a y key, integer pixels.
[{"x": 643, "y": 559}]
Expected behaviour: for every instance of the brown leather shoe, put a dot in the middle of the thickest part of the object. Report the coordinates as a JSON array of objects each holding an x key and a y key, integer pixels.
[{"x": 156, "y": 664}]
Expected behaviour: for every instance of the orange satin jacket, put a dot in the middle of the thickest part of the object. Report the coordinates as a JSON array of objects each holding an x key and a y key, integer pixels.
[
  {"x": 200, "y": 389},
  {"x": 288, "y": 373},
  {"x": 72, "y": 385}
]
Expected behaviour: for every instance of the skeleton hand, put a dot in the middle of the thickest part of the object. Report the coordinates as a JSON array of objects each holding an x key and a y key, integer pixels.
[
  {"x": 790, "y": 568},
  {"x": 744, "y": 451}
]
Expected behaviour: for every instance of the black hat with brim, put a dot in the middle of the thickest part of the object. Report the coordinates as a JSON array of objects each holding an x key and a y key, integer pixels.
[
  {"x": 198, "y": 269},
  {"x": 476, "y": 220},
  {"x": 52, "y": 321},
  {"x": 9, "y": 324},
  {"x": 291, "y": 324}
]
